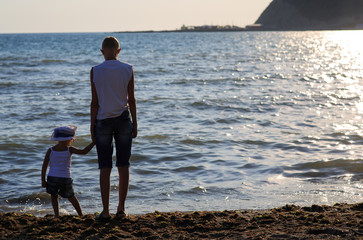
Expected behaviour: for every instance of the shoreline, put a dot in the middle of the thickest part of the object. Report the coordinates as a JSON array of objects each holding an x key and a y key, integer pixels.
[
  {"x": 341, "y": 221},
  {"x": 179, "y": 31},
  {"x": 242, "y": 30}
]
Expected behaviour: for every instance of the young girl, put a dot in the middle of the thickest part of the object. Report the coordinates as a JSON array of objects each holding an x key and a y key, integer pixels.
[{"x": 59, "y": 159}]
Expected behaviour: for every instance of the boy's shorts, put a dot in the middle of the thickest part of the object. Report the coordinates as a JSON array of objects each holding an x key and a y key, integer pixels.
[
  {"x": 119, "y": 128},
  {"x": 61, "y": 186}
]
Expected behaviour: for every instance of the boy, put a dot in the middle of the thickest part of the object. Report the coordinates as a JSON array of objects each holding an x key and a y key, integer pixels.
[{"x": 112, "y": 84}]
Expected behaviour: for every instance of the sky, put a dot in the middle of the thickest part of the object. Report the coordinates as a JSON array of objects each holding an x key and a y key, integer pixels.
[{"x": 38, "y": 16}]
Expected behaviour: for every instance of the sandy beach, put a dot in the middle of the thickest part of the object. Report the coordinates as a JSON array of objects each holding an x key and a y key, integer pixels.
[{"x": 341, "y": 221}]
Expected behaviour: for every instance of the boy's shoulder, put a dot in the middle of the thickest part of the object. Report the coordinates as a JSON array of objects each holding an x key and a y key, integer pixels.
[
  {"x": 116, "y": 62},
  {"x": 126, "y": 64}
]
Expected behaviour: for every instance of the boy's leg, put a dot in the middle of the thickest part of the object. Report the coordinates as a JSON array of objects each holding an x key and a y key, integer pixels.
[
  {"x": 123, "y": 187},
  {"x": 55, "y": 205},
  {"x": 103, "y": 135},
  {"x": 123, "y": 140},
  {"x": 76, "y": 205},
  {"x": 105, "y": 190}
]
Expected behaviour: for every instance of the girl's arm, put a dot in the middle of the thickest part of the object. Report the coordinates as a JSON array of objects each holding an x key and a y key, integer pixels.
[
  {"x": 94, "y": 106},
  {"x": 44, "y": 168},
  {"x": 132, "y": 103},
  {"x": 83, "y": 151}
]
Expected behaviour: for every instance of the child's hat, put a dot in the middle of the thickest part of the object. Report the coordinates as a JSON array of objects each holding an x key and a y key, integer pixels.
[{"x": 64, "y": 133}]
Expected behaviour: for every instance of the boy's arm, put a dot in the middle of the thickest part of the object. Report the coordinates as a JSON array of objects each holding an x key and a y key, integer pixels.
[
  {"x": 44, "y": 168},
  {"x": 132, "y": 103},
  {"x": 94, "y": 106},
  {"x": 83, "y": 151}
]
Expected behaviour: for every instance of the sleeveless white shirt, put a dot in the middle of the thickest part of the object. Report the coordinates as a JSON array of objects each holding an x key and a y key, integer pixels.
[
  {"x": 60, "y": 163},
  {"x": 111, "y": 79}
]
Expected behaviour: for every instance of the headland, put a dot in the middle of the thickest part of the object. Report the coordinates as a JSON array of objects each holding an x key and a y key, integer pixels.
[{"x": 292, "y": 15}]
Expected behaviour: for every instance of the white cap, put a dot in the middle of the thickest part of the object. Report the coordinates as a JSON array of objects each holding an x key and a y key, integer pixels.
[{"x": 64, "y": 133}]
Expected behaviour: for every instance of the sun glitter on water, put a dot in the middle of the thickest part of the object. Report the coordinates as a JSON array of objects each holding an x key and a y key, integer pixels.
[
  {"x": 350, "y": 42},
  {"x": 351, "y": 51}
]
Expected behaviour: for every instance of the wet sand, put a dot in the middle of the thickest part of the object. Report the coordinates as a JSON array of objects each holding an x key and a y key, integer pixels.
[{"x": 341, "y": 221}]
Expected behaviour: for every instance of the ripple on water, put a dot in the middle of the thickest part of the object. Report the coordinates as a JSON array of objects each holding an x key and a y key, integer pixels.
[
  {"x": 196, "y": 189},
  {"x": 7, "y": 84},
  {"x": 201, "y": 105},
  {"x": 253, "y": 166},
  {"x": 193, "y": 142},
  {"x": 257, "y": 143},
  {"x": 325, "y": 169},
  {"x": 228, "y": 120},
  {"x": 188, "y": 169},
  {"x": 293, "y": 147},
  {"x": 2, "y": 181},
  {"x": 33, "y": 198},
  {"x": 146, "y": 172},
  {"x": 49, "y": 61},
  {"x": 155, "y": 137},
  {"x": 137, "y": 158}
]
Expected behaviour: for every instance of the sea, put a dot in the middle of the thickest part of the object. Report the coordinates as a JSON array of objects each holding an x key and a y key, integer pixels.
[{"x": 227, "y": 120}]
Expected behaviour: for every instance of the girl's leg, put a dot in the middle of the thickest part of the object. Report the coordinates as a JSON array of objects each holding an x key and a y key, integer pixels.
[
  {"x": 55, "y": 205},
  {"x": 76, "y": 205}
]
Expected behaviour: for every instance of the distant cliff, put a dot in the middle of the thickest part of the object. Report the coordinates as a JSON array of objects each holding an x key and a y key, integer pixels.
[{"x": 312, "y": 15}]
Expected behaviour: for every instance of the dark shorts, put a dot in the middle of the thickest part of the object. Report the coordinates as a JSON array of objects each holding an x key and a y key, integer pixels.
[
  {"x": 61, "y": 186},
  {"x": 118, "y": 128}
]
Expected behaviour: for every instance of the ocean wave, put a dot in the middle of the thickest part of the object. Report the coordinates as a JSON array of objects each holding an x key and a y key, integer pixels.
[
  {"x": 193, "y": 142},
  {"x": 90, "y": 62},
  {"x": 155, "y": 137},
  {"x": 201, "y": 104},
  {"x": 19, "y": 65},
  {"x": 257, "y": 142},
  {"x": 81, "y": 114},
  {"x": 193, "y": 190},
  {"x": 12, "y": 146},
  {"x": 45, "y": 114},
  {"x": 228, "y": 120},
  {"x": 324, "y": 169},
  {"x": 32, "y": 198},
  {"x": 188, "y": 169},
  {"x": 143, "y": 172},
  {"x": 8, "y": 84},
  {"x": 293, "y": 147},
  {"x": 29, "y": 69},
  {"x": 252, "y": 166},
  {"x": 220, "y": 105},
  {"x": 11, "y": 58},
  {"x": 46, "y": 61}
]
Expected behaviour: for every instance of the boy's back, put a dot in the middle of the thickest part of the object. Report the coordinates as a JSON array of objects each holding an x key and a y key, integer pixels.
[{"x": 111, "y": 79}]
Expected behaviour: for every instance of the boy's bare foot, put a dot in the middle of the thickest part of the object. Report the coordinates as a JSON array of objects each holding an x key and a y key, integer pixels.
[
  {"x": 101, "y": 217},
  {"x": 121, "y": 214}
]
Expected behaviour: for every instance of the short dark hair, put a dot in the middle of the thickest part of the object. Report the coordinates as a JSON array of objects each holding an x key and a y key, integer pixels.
[{"x": 110, "y": 42}]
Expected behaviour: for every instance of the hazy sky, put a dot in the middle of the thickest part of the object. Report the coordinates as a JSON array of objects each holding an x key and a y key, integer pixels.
[{"x": 18, "y": 16}]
